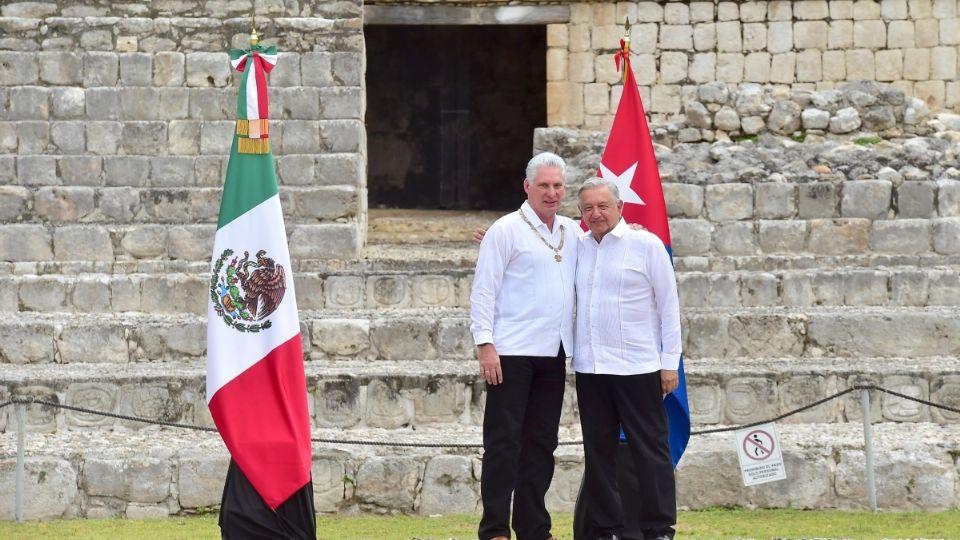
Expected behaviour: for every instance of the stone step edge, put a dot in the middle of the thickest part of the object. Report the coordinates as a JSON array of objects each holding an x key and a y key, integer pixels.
[
  {"x": 442, "y": 260},
  {"x": 761, "y": 367}
]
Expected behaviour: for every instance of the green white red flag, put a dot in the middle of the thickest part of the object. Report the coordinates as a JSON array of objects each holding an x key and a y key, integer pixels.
[{"x": 256, "y": 388}]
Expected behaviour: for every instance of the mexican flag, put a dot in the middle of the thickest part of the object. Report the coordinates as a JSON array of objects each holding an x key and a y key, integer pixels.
[{"x": 256, "y": 388}]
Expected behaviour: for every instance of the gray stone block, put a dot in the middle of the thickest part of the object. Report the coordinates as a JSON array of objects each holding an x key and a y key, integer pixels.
[
  {"x": 944, "y": 288},
  {"x": 433, "y": 291},
  {"x": 8, "y": 169},
  {"x": 341, "y": 103},
  {"x": 404, "y": 339},
  {"x": 909, "y": 287},
  {"x": 217, "y": 137},
  {"x": 43, "y": 293},
  {"x": 82, "y": 244},
  {"x": 183, "y": 137},
  {"x": 329, "y": 487},
  {"x": 139, "y": 479},
  {"x": 816, "y": 200},
  {"x": 8, "y": 137},
  {"x": 388, "y": 292},
  {"x": 191, "y": 243},
  {"x": 125, "y": 292},
  {"x": 29, "y": 103},
  {"x": 750, "y": 399},
  {"x": 690, "y": 236},
  {"x": 344, "y": 291},
  {"x": 103, "y": 137},
  {"x": 136, "y": 69},
  {"x": 90, "y": 395},
  {"x": 68, "y": 137},
  {"x": 759, "y": 290},
  {"x": 325, "y": 241},
  {"x": 317, "y": 69},
  {"x": 31, "y": 344},
  {"x": 724, "y": 291},
  {"x": 865, "y": 288},
  {"x": 348, "y": 68},
  {"x": 907, "y": 236},
  {"x": 49, "y": 490},
  {"x": 37, "y": 170},
  {"x": 172, "y": 171},
  {"x": 80, "y": 170},
  {"x": 200, "y": 479},
  {"x": 389, "y": 482},
  {"x": 126, "y": 171},
  {"x": 64, "y": 204},
  {"x": 338, "y": 403},
  {"x": 342, "y": 135},
  {"x": 916, "y": 200},
  {"x": 779, "y": 236},
  {"x": 945, "y": 389},
  {"x": 58, "y": 67},
  {"x": 176, "y": 294},
  {"x": 948, "y": 198},
  {"x": 103, "y": 103},
  {"x": 68, "y": 102},
  {"x": 448, "y": 486},
  {"x": 784, "y": 118},
  {"x": 899, "y": 409},
  {"x": 864, "y": 334},
  {"x": 144, "y": 138},
  {"x": 300, "y": 103},
  {"x": 301, "y": 137},
  {"x": 693, "y": 289},
  {"x": 775, "y": 200},
  {"x": 296, "y": 170},
  {"x": 323, "y": 204},
  {"x": 208, "y": 69},
  {"x": 287, "y": 71},
  {"x": 735, "y": 238},
  {"x": 208, "y": 170},
  {"x": 815, "y": 119},
  {"x": 139, "y": 103},
  {"x": 93, "y": 344},
  {"x": 340, "y": 169},
  {"x": 25, "y": 243},
  {"x": 729, "y": 201},
  {"x": 144, "y": 242},
  {"x": 866, "y": 199},
  {"x": 839, "y": 236},
  {"x": 946, "y": 235},
  {"x": 797, "y": 391},
  {"x": 13, "y": 203},
  {"x": 683, "y": 200},
  {"x": 100, "y": 69},
  {"x": 34, "y": 137},
  {"x": 174, "y": 103},
  {"x": 455, "y": 340},
  {"x": 18, "y": 68},
  {"x": 91, "y": 295},
  {"x": 212, "y": 104},
  {"x": 798, "y": 290},
  {"x": 168, "y": 68},
  {"x": 386, "y": 406}
]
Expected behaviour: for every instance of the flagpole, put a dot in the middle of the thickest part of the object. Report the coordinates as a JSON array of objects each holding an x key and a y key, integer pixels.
[{"x": 626, "y": 48}]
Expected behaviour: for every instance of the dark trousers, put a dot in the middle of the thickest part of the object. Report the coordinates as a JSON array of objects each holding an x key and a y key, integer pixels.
[
  {"x": 634, "y": 402},
  {"x": 520, "y": 422}
]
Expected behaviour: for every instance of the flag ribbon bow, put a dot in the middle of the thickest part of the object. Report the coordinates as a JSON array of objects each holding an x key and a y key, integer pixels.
[
  {"x": 253, "y": 105},
  {"x": 622, "y": 55}
]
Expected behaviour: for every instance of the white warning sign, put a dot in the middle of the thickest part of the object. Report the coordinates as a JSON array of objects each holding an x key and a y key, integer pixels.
[{"x": 758, "y": 448}]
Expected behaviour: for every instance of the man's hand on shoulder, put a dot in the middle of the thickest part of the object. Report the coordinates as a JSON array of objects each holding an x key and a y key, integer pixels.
[
  {"x": 636, "y": 227},
  {"x": 478, "y": 235},
  {"x": 669, "y": 379}
]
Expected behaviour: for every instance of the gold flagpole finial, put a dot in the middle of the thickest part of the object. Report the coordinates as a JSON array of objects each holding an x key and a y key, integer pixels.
[
  {"x": 254, "y": 38},
  {"x": 626, "y": 46}
]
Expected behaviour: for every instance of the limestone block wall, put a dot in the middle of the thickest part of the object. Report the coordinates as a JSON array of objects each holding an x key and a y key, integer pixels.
[
  {"x": 116, "y": 122},
  {"x": 794, "y": 45}
]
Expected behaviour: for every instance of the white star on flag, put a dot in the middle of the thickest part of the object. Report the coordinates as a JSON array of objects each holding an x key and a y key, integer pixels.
[{"x": 623, "y": 180}]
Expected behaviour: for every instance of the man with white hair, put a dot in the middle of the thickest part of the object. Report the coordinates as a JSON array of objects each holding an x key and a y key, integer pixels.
[
  {"x": 522, "y": 324},
  {"x": 626, "y": 359}
]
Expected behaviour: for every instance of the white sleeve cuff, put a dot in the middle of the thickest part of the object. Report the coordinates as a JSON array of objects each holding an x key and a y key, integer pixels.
[
  {"x": 670, "y": 361},
  {"x": 483, "y": 336}
]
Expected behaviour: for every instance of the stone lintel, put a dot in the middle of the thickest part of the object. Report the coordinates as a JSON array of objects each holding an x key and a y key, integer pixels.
[{"x": 459, "y": 15}]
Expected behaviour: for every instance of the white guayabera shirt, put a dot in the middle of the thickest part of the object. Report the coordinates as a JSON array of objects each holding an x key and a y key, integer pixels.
[
  {"x": 522, "y": 298},
  {"x": 627, "y": 305}
]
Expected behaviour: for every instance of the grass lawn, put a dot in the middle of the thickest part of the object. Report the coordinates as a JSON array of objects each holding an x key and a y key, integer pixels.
[{"x": 697, "y": 524}]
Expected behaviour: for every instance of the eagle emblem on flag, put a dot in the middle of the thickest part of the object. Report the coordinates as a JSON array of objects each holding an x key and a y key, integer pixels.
[{"x": 244, "y": 291}]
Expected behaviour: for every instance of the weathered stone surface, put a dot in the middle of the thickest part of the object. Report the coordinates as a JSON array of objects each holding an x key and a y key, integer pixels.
[
  {"x": 866, "y": 199},
  {"x": 881, "y": 335},
  {"x": 901, "y": 236},
  {"x": 50, "y": 488},
  {"x": 140, "y": 479},
  {"x": 839, "y": 236},
  {"x": 729, "y": 202},
  {"x": 200, "y": 479},
  {"x": 388, "y": 482},
  {"x": 448, "y": 486}
]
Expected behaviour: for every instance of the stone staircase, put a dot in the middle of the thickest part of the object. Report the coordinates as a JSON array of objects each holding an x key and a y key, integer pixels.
[{"x": 389, "y": 359}]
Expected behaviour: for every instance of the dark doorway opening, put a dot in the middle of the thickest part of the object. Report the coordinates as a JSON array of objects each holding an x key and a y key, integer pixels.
[{"x": 451, "y": 112}]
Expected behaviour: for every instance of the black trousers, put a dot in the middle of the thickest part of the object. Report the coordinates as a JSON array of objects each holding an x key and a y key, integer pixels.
[
  {"x": 520, "y": 422},
  {"x": 648, "y": 495}
]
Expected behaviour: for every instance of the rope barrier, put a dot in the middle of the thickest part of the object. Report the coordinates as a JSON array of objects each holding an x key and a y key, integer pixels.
[{"x": 359, "y": 442}]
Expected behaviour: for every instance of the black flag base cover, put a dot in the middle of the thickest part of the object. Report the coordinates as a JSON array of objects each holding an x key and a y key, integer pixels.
[{"x": 245, "y": 516}]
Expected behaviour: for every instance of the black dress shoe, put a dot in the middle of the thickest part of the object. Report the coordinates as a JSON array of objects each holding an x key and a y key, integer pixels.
[
  {"x": 661, "y": 537},
  {"x": 609, "y": 537}
]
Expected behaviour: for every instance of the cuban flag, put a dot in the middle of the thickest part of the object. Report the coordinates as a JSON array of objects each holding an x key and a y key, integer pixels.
[{"x": 630, "y": 162}]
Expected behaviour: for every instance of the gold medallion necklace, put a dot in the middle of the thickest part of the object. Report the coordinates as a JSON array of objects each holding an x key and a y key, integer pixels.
[{"x": 556, "y": 250}]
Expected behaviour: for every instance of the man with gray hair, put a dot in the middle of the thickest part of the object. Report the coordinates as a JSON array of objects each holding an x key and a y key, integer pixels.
[
  {"x": 626, "y": 359},
  {"x": 522, "y": 323}
]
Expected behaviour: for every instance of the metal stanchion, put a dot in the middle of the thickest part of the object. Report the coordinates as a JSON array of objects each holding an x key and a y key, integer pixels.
[
  {"x": 18, "y": 498},
  {"x": 868, "y": 449}
]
